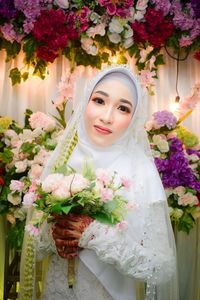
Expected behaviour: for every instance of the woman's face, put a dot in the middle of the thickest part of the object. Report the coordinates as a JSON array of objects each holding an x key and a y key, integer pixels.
[{"x": 109, "y": 112}]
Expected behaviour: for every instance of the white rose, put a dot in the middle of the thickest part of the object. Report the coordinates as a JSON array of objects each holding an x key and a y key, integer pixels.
[
  {"x": 21, "y": 166},
  {"x": 15, "y": 200},
  {"x": 114, "y": 38},
  {"x": 116, "y": 25},
  {"x": 128, "y": 43},
  {"x": 128, "y": 32},
  {"x": 20, "y": 213},
  {"x": 62, "y": 3},
  {"x": 163, "y": 146}
]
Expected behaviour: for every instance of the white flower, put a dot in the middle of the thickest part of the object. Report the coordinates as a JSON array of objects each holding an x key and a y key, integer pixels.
[
  {"x": 94, "y": 17},
  {"x": 62, "y": 3},
  {"x": 10, "y": 134},
  {"x": 128, "y": 43},
  {"x": 21, "y": 166},
  {"x": 15, "y": 200},
  {"x": 141, "y": 4},
  {"x": 139, "y": 15},
  {"x": 114, "y": 38},
  {"x": 88, "y": 45},
  {"x": 37, "y": 132},
  {"x": 52, "y": 182},
  {"x": 179, "y": 190},
  {"x": 97, "y": 30},
  {"x": 193, "y": 157},
  {"x": 26, "y": 135},
  {"x": 20, "y": 213},
  {"x": 116, "y": 25},
  {"x": 176, "y": 213},
  {"x": 42, "y": 121},
  {"x": 128, "y": 32},
  {"x": 61, "y": 192}
]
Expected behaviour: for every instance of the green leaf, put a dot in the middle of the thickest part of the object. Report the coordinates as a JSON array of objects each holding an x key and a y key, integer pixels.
[
  {"x": 66, "y": 209},
  {"x": 15, "y": 76},
  {"x": 24, "y": 76},
  {"x": 40, "y": 69},
  {"x": 27, "y": 114},
  {"x": 12, "y": 49},
  {"x": 6, "y": 156},
  {"x": 57, "y": 208},
  {"x": 27, "y": 148},
  {"x": 159, "y": 60},
  {"x": 3, "y": 207},
  {"x": 103, "y": 218},
  {"x": 186, "y": 223},
  {"x": 30, "y": 46}
]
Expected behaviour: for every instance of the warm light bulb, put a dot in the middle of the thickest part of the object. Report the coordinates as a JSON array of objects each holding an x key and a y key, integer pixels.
[{"x": 174, "y": 105}]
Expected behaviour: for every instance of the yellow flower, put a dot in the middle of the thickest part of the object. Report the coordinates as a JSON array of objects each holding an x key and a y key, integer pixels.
[{"x": 5, "y": 122}]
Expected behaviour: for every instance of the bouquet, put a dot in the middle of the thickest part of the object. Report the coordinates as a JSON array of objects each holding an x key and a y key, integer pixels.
[{"x": 92, "y": 193}]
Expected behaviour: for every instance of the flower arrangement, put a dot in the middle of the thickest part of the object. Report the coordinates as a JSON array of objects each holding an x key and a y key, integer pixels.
[
  {"x": 92, "y": 32},
  {"x": 96, "y": 194},
  {"x": 176, "y": 152},
  {"x": 23, "y": 153}
]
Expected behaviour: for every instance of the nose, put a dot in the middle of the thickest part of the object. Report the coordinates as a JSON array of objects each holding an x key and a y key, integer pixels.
[{"x": 107, "y": 116}]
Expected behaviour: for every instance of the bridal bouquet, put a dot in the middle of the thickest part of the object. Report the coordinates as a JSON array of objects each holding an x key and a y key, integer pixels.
[{"x": 95, "y": 194}]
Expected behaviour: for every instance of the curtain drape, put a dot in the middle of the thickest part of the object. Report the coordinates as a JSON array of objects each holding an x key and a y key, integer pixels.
[{"x": 37, "y": 94}]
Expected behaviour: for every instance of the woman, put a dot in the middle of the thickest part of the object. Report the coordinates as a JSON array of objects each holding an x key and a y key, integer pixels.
[{"x": 107, "y": 130}]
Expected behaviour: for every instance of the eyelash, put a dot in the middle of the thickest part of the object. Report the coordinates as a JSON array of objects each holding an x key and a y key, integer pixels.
[{"x": 122, "y": 108}]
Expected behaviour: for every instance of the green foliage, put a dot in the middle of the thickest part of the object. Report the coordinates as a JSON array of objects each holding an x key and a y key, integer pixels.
[
  {"x": 16, "y": 235},
  {"x": 40, "y": 68},
  {"x": 6, "y": 156},
  {"x": 186, "y": 223},
  {"x": 16, "y": 76}
]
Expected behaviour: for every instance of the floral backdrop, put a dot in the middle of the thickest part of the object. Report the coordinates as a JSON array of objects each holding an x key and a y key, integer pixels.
[{"x": 97, "y": 32}]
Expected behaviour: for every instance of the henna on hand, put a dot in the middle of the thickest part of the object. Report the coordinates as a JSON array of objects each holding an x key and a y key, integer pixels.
[{"x": 67, "y": 231}]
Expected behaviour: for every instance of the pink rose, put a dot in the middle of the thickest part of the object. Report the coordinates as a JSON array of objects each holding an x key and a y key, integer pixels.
[
  {"x": 43, "y": 121},
  {"x": 35, "y": 171},
  {"x": 188, "y": 199},
  {"x": 79, "y": 183},
  {"x": 16, "y": 185},
  {"x": 52, "y": 182}
]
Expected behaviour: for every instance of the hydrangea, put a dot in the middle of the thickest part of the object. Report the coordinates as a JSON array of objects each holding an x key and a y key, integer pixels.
[{"x": 165, "y": 118}]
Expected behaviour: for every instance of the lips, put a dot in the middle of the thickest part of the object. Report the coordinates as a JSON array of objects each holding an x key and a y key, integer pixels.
[{"x": 102, "y": 130}]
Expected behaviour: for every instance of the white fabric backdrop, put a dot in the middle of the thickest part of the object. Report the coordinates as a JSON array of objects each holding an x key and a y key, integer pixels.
[{"x": 36, "y": 94}]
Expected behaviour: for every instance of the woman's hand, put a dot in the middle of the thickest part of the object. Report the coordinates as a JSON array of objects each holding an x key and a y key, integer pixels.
[{"x": 67, "y": 231}]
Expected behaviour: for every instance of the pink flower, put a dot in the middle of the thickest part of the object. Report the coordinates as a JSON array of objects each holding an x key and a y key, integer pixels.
[
  {"x": 106, "y": 194},
  {"x": 21, "y": 166},
  {"x": 146, "y": 77},
  {"x": 29, "y": 199},
  {"x": 35, "y": 171},
  {"x": 103, "y": 176},
  {"x": 61, "y": 192},
  {"x": 185, "y": 41},
  {"x": 16, "y": 185},
  {"x": 179, "y": 190},
  {"x": 122, "y": 225},
  {"x": 43, "y": 121},
  {"x": 78, "y": 184},
  {"x": 125, "y": 182},
  {"x": 52, "y": 182},
  {"x": 33, "y": 186},
  {"x": 188, "y": 199},
  {"x": 32, "y": 230}
]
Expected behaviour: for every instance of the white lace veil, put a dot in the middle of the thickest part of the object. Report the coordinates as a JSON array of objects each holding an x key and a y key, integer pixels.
[{"x": 135, "y": 144}]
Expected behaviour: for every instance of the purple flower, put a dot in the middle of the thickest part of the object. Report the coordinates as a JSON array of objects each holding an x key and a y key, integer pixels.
[
  {"x": 7, "y": 9},
  {"x": 196, "y": 7},
  {"x": 176, "y": 145},
  {"x": 165, "y": 118},
  {"x": 163, "y": 5},
  {"x": 193, "y": 151}
]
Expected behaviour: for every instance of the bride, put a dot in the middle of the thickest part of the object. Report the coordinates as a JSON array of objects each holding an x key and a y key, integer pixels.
[{"x": 107, "y": 129}]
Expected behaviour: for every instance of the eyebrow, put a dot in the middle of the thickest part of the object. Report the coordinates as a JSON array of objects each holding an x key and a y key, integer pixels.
[{"x": 121, "y": 100}]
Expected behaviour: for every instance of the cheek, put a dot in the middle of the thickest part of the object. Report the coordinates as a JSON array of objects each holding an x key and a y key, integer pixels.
[
  {"x": 122, "y": 123},
  {"x": 90, "y": 114}
]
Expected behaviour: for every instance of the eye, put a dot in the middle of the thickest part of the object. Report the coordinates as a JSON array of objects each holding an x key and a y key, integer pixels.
[
  {"x": 98, "y": 100},
  {"x": 124, "y": 109}
]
